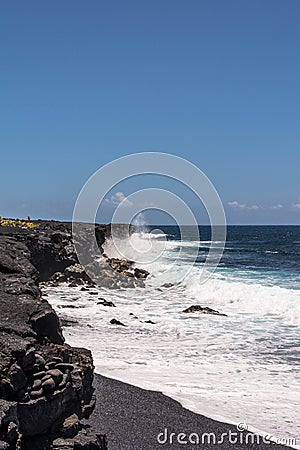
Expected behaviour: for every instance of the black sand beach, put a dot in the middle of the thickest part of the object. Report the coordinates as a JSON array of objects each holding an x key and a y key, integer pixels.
[{"x": 132, "y": 418}]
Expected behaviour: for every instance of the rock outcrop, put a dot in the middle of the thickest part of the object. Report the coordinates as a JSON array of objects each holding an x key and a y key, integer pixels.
[
  {"x": 44, "y": 383},
  {"x": 54, "y": 256}
]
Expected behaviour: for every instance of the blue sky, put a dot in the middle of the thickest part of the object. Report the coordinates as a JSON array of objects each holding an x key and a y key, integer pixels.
[{"x": 216, "y": 82}]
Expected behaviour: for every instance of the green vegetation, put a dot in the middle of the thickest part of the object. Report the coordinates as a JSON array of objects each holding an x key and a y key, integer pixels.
[{"x": 17, "y": 223}]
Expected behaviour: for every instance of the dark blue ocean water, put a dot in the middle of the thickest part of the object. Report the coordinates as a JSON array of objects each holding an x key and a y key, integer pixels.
[{"x": 269, "y": 254}]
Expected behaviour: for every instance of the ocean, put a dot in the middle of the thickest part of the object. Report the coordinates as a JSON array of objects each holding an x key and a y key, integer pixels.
[{"x": 239, "y": 368}]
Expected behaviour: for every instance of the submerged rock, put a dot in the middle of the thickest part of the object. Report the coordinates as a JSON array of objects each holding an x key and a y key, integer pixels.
[
  {"x": 106, "y": 303},
  {"x": 203, "y": 310},
  {"x": 117, "y": 322},
  {"x": 133, "y": 316},
  {"x": 68, "y": 322}
]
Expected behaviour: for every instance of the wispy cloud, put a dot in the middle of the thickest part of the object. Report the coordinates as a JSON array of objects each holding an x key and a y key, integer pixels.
[
  {"x": 236, "y": 205},
  {"x": 274, "y": 207},
  {"x": 296, "y": 205},
  {"x": 118, "y": 199},
  {"x": 243, "y": 206}
]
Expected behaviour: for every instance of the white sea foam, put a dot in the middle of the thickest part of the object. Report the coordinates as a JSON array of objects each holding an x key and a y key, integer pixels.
[
  {"x": 145, "y": 235},
  {"x": 240, "y": 368}
]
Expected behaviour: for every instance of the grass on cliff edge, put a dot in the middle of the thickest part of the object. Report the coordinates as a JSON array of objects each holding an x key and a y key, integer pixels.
[{"x": 17, "y": 223}]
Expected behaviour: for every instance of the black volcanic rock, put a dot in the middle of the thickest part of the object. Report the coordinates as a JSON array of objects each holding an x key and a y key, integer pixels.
[
  {"x": 86, "y": 439},
  {"x": 35, "y": 400},
  {"x": 106, "y": 303},
  {"x": 36, "y": 397},
  {"x": 203, "y": 310},
  {"x": 45, "y": 323},
  {"x": 51, "y": 257},
  {"x": 117, "y": 322},
  {"x": 140, "y": 273},
  {"x": 76, "y": 271}
]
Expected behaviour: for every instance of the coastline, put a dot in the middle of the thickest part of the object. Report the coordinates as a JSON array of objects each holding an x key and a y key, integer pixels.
[{"x": 130, "y": 417}]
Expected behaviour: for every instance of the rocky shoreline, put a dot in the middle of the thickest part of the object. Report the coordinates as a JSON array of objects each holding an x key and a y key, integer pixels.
[
  {"x": 47, "y": 395},
  {"x": 46, "y": 386}
]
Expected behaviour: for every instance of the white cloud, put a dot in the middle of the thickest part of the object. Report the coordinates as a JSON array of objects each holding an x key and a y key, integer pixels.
[
  {"x": 276, "y": 206},
  {"x": 296, "y": 205},
  {"x": 236, "y": 205},
  {"x": 242, "y": 206},
  {"x": 118, "y": 199}
]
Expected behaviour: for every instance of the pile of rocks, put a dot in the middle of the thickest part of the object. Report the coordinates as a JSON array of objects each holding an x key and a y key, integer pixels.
[
  {"x": 112, "y": 273},
  {"x": 49, "y": 377},
  {"x": 126, "y": 268},
  {"x": 74, "y": 275}
]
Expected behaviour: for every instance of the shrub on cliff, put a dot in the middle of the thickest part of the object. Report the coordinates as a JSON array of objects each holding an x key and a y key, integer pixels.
[{"x": 17, "y": 223}]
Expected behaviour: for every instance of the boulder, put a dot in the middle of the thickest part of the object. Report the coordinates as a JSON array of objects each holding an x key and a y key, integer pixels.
[
  {"x": 37, "y": 385},
  {"x": 12, "y": 433},
  {"x": 117, "y": 322},
  {"x": 56, "y": 374},
  {"x": 46, "y": 324},
  {"x": 203, "y": 310},
  {"x": 17, "y": 377},
  {"x": 48, "y": 385},
  {"x": 76, "y": 272},
  {"x": 140, "y": 273},
  {"x": 28, "y": 360},
  {"x": 64, "y": 366},
  {"x": 70, "y": 426},
  {"x": 39, "y": 361},
  {"x": 86, "y": 439},
  {"x": 106, "y": 303},
  {"x": 36, "y": 394}
]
